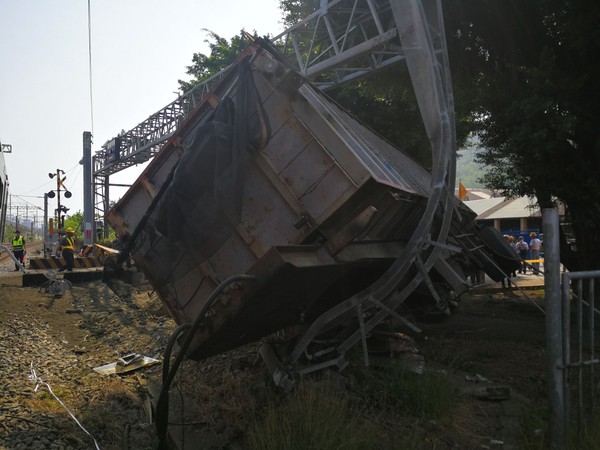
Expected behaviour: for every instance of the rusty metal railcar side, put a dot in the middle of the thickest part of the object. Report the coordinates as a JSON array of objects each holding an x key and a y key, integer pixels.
[{"x": 333, "y": 221}]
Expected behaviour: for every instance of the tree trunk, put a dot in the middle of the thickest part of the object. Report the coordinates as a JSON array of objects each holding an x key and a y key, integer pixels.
[{"x": 585, "y": 220}]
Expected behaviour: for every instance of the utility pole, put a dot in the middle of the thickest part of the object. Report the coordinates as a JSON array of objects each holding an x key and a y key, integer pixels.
[
  {"x": 47, "y": 237},
  {"x": 60, "y": 209},
  {"x": 58, "y": 183},
  {"x": 89, "y": 224}
]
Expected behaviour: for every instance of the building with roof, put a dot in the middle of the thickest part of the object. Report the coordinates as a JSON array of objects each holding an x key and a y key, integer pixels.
[{"x": 514, "y": 216}]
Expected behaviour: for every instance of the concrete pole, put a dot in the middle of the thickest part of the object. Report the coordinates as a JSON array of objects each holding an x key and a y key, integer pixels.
[
  {"x": 59, "y": 224},
  {"x": 89, "y": 231},
  {"x": 45, "y": 227},
  {"x": 554, "y": 352},
  {"x": 106, "y": 204}
]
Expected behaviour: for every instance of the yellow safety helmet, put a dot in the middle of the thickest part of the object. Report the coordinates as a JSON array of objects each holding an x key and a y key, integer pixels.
[
  {"x": 532, "y": 234},
  {"x": 70, "y": 230}
]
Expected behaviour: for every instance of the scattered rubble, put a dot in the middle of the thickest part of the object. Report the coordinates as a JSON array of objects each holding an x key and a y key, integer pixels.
[
  {"x": 66, "y": 337},
  {"x": 37, "y": 331}
]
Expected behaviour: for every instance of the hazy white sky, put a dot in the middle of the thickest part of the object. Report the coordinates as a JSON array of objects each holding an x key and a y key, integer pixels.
[{"x": 139, "y": 48}]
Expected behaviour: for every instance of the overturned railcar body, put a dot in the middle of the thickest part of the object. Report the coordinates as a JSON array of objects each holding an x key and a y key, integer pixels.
[{"x": 270, "y": 178}]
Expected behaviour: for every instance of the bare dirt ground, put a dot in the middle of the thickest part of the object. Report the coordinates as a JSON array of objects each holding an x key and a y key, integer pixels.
[{"x": 496, "y": 339}]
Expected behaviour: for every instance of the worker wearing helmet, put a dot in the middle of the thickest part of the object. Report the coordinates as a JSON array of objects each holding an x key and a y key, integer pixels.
[
  {"x": 67, "y": 244},
  {"x": 535, "y": 245},
  {"x": 522, "y": 249}
]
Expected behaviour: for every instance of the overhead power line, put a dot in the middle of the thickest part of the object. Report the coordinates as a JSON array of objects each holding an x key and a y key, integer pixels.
[{"x": 90, "y": 65}]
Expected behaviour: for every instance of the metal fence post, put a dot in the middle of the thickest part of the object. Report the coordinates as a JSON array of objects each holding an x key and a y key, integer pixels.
[{"x": 554, "y": 354}]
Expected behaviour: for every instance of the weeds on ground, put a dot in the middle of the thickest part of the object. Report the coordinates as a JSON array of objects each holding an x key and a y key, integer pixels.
[
  {"x": 390, "y": 408},
  {"x": 313, "y": 416},
  {"x": 44, "y": 401},
  {"x": 451, "y": 354},
  {"x": 534, "y": 425},
  {"x": 113, "y": 414},
  {"x": 590, "y": 438},
  {"x": 428, "y": 395},
  {"x": 431, "y": 404}
]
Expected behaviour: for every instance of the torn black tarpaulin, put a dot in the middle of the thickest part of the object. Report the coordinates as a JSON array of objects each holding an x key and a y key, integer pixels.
[{"x": 203, "y": 202}]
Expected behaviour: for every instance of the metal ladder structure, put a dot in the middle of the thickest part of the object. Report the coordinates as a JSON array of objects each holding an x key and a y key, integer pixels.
[{"x": 340, "y": 41}]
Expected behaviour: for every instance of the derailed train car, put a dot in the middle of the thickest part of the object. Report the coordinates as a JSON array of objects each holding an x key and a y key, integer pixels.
[{"x": 318, "y": 223}]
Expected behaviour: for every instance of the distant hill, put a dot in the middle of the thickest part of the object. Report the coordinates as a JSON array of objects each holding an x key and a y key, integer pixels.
[{"x": 467, "y": 170}]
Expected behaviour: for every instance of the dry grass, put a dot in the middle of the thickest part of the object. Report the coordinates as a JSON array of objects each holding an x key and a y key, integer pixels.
[
  {"x": 109, "y": 411},
  {"x": 313, "y": 416},
  {"x": 104, "y": 412},
  {"x": 222, "y": 396}
]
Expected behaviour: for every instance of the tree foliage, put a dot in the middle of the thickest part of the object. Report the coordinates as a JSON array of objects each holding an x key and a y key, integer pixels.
[
  {"x": 532, "y": 69},
  {"x": 75, "y": 221},
  {"x": 222, "y": 54},
  {"x": 296, "y": 10},
  {"x": 468, "y": 170}
]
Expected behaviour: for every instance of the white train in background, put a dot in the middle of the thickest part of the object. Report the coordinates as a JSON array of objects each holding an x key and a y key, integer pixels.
[{"x": 3, "y": 196}]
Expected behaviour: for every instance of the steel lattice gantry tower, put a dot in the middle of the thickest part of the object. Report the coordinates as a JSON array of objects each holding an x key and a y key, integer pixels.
[{"x": 339, "y": 42}]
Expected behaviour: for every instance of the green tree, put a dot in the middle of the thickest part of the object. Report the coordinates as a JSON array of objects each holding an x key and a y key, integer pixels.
[
  {"x": 531, "y": 67},
  {"x": 9, "y": 233},
  {"x": 222, "y": 54},
  {"x": 75, "y": 221},
  {"x": 296, "y": 10},
  {"x": 468, "y": 170}
]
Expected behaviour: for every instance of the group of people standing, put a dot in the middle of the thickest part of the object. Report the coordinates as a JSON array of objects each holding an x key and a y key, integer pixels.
[{"x": 522, "y": 249}]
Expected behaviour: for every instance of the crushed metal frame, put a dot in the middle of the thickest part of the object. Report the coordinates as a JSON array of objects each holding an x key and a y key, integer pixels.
[{"x": 391, "y": 218}]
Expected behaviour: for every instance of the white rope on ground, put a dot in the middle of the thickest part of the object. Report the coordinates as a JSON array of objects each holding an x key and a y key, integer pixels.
[{"x": 39, "y": 382}]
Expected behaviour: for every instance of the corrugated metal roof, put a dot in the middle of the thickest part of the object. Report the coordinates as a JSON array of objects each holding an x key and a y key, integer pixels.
[
  {"x": 386, "y": 163},
  {"x": 516, "y": 208},
  {"x": 502, "y": 208},
  {"x": 483, "y": 205}
]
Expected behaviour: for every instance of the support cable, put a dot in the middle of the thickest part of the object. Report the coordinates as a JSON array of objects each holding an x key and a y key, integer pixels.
[
  {"x": 90, "y": 64},
  {"x": 162, "y": 406}
]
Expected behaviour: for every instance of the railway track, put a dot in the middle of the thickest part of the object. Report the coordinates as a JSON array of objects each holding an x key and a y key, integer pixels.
[{"x": 33, "y": 249}]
